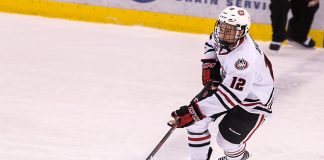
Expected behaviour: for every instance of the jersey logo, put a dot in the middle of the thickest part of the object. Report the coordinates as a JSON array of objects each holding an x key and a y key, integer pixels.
[
  {"x": 241, "y": 64},
  {"x": 241, "y": 12},
  {"x": 208, "y": 65}
]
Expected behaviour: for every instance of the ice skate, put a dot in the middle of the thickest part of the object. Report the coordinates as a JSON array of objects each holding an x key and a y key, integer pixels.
[{"x": 246, "y": 155}]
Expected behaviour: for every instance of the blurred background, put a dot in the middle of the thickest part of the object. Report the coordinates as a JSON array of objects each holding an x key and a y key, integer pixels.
[{"x": 193, "y": 16}]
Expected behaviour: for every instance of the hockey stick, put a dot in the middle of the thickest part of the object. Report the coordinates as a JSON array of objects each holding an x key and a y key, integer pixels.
[
  {"x": 205, "y": 92},
  {"x": 159, "y": 145}
]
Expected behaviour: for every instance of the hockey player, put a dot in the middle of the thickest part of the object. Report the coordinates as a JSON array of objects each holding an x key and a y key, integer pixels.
[{"x": 238, "y": 81}]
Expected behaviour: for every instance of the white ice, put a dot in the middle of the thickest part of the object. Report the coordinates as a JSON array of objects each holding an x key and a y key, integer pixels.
[{"x": 84, "y": 91}]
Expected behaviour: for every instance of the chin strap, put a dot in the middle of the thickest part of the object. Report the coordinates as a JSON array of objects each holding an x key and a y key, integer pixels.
[{"x": 228, "y": 46}]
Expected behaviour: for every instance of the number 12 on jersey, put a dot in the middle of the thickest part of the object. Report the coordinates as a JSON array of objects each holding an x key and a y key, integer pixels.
[{"x": 238, "y": 83}]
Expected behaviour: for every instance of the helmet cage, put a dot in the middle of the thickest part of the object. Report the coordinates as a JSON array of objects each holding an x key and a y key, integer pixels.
[{"x": 225, "y": 30}]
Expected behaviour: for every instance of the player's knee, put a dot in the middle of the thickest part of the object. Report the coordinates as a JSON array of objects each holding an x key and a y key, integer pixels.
[{"x": 199, "y": 126}]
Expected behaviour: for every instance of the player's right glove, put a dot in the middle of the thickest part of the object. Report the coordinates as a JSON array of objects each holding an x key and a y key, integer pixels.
[
  {"x": 187, "y": 115},
  {"x": 211, "y": 71}
]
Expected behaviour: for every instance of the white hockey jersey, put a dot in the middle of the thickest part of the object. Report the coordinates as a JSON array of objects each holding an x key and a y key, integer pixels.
[{"x": 247, "y": 79}]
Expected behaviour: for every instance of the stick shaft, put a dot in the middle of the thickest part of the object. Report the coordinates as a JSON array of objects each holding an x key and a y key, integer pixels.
[{"x": 159, "y": 145}]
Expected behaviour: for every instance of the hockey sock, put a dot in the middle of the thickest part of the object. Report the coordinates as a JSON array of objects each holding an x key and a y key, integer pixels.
[{"x": 199, "y": 144}]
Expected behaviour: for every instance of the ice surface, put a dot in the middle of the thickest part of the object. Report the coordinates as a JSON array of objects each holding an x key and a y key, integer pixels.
[{"x": 84, "y": 91}]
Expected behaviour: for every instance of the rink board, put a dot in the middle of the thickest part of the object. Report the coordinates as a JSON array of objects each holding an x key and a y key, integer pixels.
[{"x": 100, "y": 14}]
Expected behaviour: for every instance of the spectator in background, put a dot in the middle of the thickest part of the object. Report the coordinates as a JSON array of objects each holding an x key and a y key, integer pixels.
[{"x": 299, "y": 25}]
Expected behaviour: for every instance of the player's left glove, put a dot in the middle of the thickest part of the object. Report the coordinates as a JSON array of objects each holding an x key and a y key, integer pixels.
[{"x": 187, "y": 115}]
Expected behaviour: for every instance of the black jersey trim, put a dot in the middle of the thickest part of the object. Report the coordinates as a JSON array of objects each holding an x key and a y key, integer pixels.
[
  {"x": 271, "y": 95},
  {"x": 231, "y": 93},
  {"x": 262, "y": 109},
  {"x": 251, "y": 100},
  {"x": 209, "y": 45},
  {"x": 222, "y": 102},
  {"x": 209, "y": 50}
]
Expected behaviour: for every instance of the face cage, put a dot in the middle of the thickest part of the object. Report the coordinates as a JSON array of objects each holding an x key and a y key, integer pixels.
[{"x": 224, "y": 43}]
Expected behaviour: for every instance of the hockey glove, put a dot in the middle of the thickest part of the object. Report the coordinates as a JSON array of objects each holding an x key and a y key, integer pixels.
[
  {"x": 211, "y": 71},
  {"x": 187, "y": 115}
]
